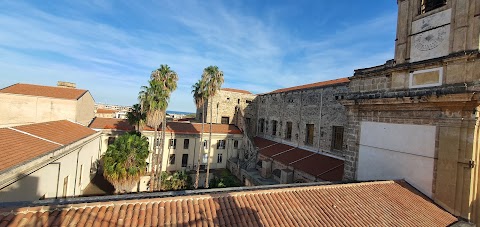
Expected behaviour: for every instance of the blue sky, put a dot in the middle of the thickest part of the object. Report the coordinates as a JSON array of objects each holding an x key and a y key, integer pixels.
[{"x": 110, "y": 47}]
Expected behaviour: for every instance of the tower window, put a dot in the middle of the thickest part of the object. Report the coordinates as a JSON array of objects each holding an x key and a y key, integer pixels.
[{"x": 429, "y": 5}]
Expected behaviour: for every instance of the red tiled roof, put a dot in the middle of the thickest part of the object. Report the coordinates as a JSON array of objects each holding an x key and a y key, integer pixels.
[
  {"x": 63, "y": 132},
  {"x": 386, "y": 203},
  {"x": 275, "y": 149},
  {"x": 313, "y": 85},
  {"x": 261, "y": 142},
  {"x": 44, "y": 91},
  {"x": 173, "y": 127},
  {"x": 317, "y": 165},
  {"x": 236, "y": 90},
  {"x": 111, "y": 123},
  {"x": 23, "y": 143},
  {"x": 106, "y": 111},
  {"x": 292, "y": 155},
  {"x": 17, "y": 147}
]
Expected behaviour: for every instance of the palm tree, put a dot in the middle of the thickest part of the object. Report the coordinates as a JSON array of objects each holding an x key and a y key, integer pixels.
[
  {"x": 199, "y": 96},
  {"x": 167, "y": 80},
  {"x": 124, "y": 162},
  {"x": 213, "y": 78},
  {"x": 136, "y": 117},
  {"x": 152, "y": 104}
]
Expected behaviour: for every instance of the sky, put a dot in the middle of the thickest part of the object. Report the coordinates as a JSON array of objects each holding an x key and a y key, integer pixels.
[{"x": 111, "y": 47}]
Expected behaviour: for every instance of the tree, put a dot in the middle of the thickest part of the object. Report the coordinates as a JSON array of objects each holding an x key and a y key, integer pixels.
[
  {"x": 124, "y": 162},
  {"x": 179, "y": 180},
  {"x": 151, "y": 100},
  {"x": 167, "y": 79},
  {"x": 213, "y": 78},
  {"x": 199, "y": 96},
  {"x": 136, "y": 117}
]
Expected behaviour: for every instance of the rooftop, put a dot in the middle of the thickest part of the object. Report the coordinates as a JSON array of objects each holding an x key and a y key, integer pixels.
[
  {"x": 236, "y": 90},
  {"x": 106, "y": 111},
  {"x": 313, "y": 85},
  {"x": 318, "y": 165},
  {"x": 23, "y": 143},
  {"x": 386, "y": 203},
  {"x": 172, "y": 127},
  {"x": 44, "y": 91}
]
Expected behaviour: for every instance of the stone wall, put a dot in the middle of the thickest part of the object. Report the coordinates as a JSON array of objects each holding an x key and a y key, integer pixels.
[{"x": 318, "y": 106}]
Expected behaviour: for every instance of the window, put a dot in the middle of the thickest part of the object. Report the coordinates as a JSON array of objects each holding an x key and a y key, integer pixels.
[
  {"x": 205, "y": 158},
  {"x": 248, "y": 101},
  {"x": 235, "y": 144},
  {"x": 219, "y": 158},
  {"x": 111, "y": 140},
  {"x": 205, "y": 144},
  {"x": 429, "y": 5},
  {"x": 337, "y": 140},
  {"x": 173, "y": 143},
  {"x": 261, "y": 124},
  {"x": 225, "y": 120},
  {"x": 171, "y": 159},
  {"x": 157, "y": 143},
  {"x": 186, "y": 142},
  {"x": 274, "y": 128},
  {"x": 288, "y": 133},
  {"x": 238, "y": 101},
  {"x": 184, "y": 160},
  {"x": 221, "y": 144},
  {"x": 309, "y": 134}
]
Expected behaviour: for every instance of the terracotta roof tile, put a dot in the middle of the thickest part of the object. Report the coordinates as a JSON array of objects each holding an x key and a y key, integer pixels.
[
  {"x": 313, "y": 85},
  {"x": 385, "y": 203},
  {"x": 17, "y": 148},
  {"x": 63, "y": 131},
  {"x": 111, "y": 123},
  {"x": 318, "y": 165},
  {"x": 173, "y": 127},
  {"x": 44, "y": 91},
  {"x": 106, "y": 111},
  {"x": 236, "y": 90}
]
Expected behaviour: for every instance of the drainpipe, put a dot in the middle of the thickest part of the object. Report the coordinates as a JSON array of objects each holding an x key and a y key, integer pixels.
[
  {"x": 58, "y": 177},
  {"x": 300, "y": 121},
  {"x": 320, "y": 121}
]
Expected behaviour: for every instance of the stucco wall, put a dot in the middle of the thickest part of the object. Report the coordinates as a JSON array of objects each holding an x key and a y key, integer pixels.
[
  {"x": 85, "y": 109},
  {"x": 47, "y": 180}
]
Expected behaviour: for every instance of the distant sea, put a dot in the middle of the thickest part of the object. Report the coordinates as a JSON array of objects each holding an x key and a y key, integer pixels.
[{"x": 178, "y": 112}]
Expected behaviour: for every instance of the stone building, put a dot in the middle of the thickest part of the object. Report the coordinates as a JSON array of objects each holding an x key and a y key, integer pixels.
[
  {"x": 28, "y": 103},
  {"x": 307, "y": 116},
  {"x": 416, "y": 116},
  {"x": 226, "y": 106},
  {"x": 47, "y": 160}
]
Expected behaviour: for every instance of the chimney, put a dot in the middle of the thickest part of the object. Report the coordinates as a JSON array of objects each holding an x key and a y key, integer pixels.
[{"x": 66, "y": 84}]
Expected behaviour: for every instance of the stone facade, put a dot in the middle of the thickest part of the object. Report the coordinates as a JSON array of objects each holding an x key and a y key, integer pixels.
[
  {"x": 285, "y": 116},
  {"x": 432, "y": 83},
  {"x": 226, "y": 104}
]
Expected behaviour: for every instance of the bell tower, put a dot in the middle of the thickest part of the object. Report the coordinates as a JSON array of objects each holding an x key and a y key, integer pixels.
[{"x": 430, "y": 29}]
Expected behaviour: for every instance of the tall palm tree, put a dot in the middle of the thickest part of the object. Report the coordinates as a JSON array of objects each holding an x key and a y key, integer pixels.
[
  {"x": 213, "y": 78},
  {"x": 136, "y": 117},
  {"x": 152, "y": 104},
  {"x": 199, "y": 95},
  {"x": 167, "y": 79}
]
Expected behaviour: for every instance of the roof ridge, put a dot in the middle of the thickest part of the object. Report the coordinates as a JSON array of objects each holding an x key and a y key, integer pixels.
[{"x": 38, "y": 137}]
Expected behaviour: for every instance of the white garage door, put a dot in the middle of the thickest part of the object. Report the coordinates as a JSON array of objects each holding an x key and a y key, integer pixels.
[{"x": 397, "y": 151}]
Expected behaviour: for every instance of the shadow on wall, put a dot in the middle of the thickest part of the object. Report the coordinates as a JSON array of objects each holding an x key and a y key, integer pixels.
[{"x": 25, "y": 189}]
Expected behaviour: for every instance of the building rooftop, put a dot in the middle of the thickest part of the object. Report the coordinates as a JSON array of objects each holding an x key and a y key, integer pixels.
[
  {"x": 321, "y": 166},
  {"x": 236, "y": 90},
  {"x": 23, "y": 143},
  {"x": 313, "y": 85},
  {"x": 385, "y": 203},
  {"x": 172, "y": 127},
  {"x": 44, "y": 91},
  {"x": 106, "y": 111}
]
